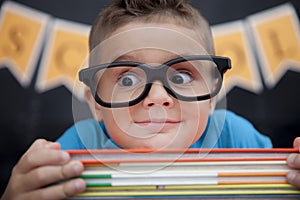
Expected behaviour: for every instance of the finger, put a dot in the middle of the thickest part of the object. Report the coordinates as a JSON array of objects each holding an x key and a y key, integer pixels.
[
  {"x": 41, "y": 157},
  {"x": 59, "y": 191},
  {"x": 53, "y": 145},
  {"x": 38, "y": 144},
  {"x": 293, "y": 160},
  {"x": 297, "y": 143},
  {"x": 46, "y": 175},
  {"x": 294, "y": 178},
  {"x": 41, "y": 144}
]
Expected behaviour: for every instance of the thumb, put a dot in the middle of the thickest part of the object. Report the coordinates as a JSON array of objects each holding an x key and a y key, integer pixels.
[{"x": 297, "y": 143}]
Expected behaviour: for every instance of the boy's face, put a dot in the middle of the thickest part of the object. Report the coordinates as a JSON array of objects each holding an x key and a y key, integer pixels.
[{"x": 159, "y": 121}]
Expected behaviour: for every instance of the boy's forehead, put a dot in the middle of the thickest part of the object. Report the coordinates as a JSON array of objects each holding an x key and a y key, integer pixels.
[{"x": 132, "y": 37}]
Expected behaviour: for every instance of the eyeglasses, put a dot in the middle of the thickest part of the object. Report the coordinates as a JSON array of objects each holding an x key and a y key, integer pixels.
[{"x": 123, "y": 84}]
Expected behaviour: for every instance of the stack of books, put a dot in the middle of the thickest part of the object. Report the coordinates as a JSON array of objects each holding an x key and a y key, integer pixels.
[{"x": 190, "y": 173}]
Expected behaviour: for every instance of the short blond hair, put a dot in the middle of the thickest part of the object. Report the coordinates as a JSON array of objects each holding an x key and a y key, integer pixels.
[{"x": 122, "y": 12}]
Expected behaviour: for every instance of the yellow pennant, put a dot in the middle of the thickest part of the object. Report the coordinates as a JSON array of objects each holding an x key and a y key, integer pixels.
[
  {"x": 22, "y": 32},
  {"x": 64, "y": 55},
  {"x": 277, "y": 38},
  {"x": 231, "y": 40}
]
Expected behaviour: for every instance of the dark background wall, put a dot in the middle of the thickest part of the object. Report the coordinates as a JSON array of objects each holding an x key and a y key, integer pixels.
[{"x": 26, "y": 114}]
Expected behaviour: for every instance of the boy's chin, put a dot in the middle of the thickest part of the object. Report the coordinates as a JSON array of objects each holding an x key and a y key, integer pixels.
[{"x": 158, "y": 145}]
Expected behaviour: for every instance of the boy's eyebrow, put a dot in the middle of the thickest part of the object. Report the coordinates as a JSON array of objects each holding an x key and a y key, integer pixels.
[{"x": 124, "y": 58}]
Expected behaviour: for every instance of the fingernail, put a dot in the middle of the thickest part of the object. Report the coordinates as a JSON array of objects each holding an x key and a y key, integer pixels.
[
  {"x": 77, "y": 167},
  {"x": 291, "y": 176},
  {"x": 65, "y": 156},
  {"x": 79, "y": 185},
  {"x": 291, "y": 158}
]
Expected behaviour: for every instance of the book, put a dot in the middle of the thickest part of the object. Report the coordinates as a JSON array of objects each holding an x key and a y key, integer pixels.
[
  {"x": 178, "y": 155},
  {"x": 210, "y": 173}
]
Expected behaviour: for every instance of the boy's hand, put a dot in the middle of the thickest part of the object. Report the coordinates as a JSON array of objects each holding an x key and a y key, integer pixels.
[
  {"x": 42, "y": 165},
  {"x": 293, "y": 161}
]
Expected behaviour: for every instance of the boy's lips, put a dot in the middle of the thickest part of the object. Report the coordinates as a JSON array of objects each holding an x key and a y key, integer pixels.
[
  {"x": 157, "y": 121},
  {"x": 158, "y": 124}
]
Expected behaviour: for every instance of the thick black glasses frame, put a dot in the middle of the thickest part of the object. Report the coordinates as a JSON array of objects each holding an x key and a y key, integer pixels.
[{"x": 155, "y": 73}]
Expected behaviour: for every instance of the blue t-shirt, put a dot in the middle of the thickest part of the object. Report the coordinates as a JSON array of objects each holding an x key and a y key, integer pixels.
[{"x": 224, "y": 130}]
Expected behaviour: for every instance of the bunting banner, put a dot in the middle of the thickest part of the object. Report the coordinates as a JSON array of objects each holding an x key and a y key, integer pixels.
[
  {"x": 268, "y": 41},
  {"x": 231, "y": 40},
  {"x": 65, "y": 53},
  {"x": 22, "y": 33},
  {"x": 277, "y": 39}
]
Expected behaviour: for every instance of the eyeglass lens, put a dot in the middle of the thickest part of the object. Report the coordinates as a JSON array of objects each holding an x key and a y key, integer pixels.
[{"x": 126, "y": 83}]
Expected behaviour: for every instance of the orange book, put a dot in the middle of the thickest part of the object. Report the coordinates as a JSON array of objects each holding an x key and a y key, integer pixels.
[{"x": 179, "y": 155}]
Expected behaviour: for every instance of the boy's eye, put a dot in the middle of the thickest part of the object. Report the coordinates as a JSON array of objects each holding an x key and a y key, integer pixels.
[
  {"x": 128, "y": 80},
  {"x": 181, "y": 77}
]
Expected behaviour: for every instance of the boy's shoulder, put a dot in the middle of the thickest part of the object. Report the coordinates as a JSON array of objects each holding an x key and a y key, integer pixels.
[
  {"x": 234, "y": 131},
  {"x": 230, "y": 118},
  {"x": 86, "y": 134}
]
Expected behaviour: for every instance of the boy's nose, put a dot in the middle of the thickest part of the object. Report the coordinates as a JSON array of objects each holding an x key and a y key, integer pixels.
[{"x": 158, "y": 96}]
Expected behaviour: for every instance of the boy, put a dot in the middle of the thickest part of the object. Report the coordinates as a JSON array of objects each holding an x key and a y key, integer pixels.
[{"x": 157, "y": 91}]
